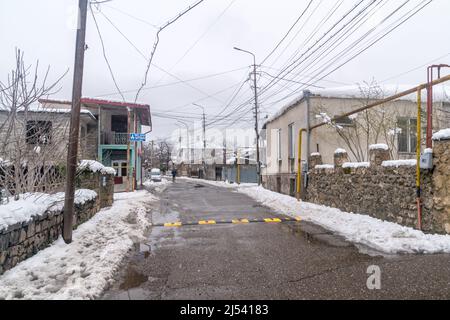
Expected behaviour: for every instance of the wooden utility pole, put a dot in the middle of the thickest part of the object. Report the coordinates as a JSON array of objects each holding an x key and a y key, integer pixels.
[{"x": 74, "y": 122}]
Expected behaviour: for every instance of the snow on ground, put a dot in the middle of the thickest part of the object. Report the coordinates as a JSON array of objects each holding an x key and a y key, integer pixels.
[
  {"x": 380, "y": 235},
  {"x": 85, "y": 267},
  {"x": 34, "y": 204},
  {"x": 157, "y": 186}
]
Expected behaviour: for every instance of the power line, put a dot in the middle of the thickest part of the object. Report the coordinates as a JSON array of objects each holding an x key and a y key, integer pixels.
[
  {"x": 155, "y": 45},
  {"x": 288, "y": 32}
]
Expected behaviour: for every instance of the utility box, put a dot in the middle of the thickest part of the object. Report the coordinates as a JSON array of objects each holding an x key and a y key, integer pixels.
[{"x": 426, "y": 161}]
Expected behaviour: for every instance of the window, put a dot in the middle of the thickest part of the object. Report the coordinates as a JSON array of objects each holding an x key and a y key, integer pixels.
[
  {"x": 344, "y": 122},
  {"x": 279, "y": 144},
  {"x": 407, "y": 137},
  {"x": 39, "y": 132},
  {"x": 291, "y": 141}
]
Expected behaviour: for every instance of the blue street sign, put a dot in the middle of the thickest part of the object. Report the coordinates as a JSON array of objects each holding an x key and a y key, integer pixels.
[{"x": 137, "y": 137}]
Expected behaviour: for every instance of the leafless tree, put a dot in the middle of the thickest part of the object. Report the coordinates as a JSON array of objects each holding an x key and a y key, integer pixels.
[
  {"x": 376, "y": 125},
  {"x": 31, "y": 139}
]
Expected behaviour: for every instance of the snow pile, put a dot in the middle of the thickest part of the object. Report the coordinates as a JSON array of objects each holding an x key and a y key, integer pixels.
[
  {"x": 381, "y": 235},
  {"x": 340, "y": 151},
  {"x": 400, "y": 163},
  {"x": 428, "y": 151},
  {"x": 95, "y": 166},
  {"x": 380, "y": 146},
  {"x": 442, "y": 135},
  {"x": 84, "y": 268},
  {"x": 356, "y": 165},
  {"x": 315, "y": 154},
  {"x": 35, "y": 204},
  {"x": 324, "y": 166}
]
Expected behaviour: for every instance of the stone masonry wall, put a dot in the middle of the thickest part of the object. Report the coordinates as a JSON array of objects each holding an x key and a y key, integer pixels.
[
  {"x": 385, "y": 192},
  {"x": 23, "y": 240}
]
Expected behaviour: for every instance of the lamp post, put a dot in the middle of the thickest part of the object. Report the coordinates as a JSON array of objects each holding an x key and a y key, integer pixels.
[
  {"x": 204, "y": 136},
  {"x": 258, "y": 164}
]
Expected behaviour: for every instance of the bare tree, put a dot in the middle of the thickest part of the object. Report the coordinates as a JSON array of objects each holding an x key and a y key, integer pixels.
[
  {"x": 371, "y": 126},
  {"x": 31, "y": 138}
]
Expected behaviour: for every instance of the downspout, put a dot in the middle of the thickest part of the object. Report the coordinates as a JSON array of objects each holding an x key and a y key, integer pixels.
[
  {"x": 307, "y": 95},
  {"x": 419, "y": 144}
]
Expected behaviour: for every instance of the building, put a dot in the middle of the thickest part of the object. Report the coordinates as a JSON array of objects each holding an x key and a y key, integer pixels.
[
  {"x": 393, "y": 123},
  {"x": 105, "y": 129}
]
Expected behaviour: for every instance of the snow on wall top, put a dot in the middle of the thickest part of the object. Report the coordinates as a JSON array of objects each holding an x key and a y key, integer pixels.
[
  {"x": 400, "y": 163},
  {"x": 35, "y": 204},
  {"x": 440, "y": 93},
  {"x": 324, "y": 166},
  {"x": 442, "y": 135},
  {"x": 340, "y": 151},
  {"x": 356, "y": 165},
  {"x": 95, "y": 166},
  {"x": 380, "y": 146}
]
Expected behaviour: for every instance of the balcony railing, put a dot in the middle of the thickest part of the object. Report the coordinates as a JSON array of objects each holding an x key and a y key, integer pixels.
[{"x": 114, "y": 138}]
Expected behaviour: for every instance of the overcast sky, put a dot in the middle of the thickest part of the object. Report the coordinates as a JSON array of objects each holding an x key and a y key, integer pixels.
[{"x": 201, "y": 44}]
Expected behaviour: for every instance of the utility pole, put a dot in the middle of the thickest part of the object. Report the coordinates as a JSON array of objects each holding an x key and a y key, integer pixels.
[
  {"x": 258, "y": 163},
  {"x": 74, "y": 122},
  {"x": 204, "y": 139}
]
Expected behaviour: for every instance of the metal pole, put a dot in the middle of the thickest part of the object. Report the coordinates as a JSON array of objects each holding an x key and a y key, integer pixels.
[
  {"x": 419, "y": 144},
  {"x": 307, "y": 95},
  {"x": 258, "y": 164},
  {"x": 74, "y": 123},
  {"x": 128, "y": 149}
]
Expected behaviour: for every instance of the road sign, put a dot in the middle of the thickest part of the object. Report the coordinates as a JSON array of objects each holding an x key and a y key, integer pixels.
[{"x": 137, "y": 137}]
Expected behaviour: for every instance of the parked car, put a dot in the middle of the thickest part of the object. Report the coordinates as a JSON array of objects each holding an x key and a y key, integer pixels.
[{"x": 155, "y": 175}]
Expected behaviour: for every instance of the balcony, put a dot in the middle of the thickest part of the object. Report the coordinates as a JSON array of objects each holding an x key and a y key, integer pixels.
[{"x": 114, "y": 138}]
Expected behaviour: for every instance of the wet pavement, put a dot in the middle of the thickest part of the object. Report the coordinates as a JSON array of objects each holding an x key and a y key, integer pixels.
[{"x": 289, "y": 260}]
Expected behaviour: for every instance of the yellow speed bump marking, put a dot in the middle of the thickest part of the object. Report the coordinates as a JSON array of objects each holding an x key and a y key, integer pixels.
[
  {"x": 237, "y": 221},
  {"x": 275, "y": 220},
  {"x": 298, "y": 218},
  {"x": 207, "y": 222},
  {"x": 172, "y": 224}
]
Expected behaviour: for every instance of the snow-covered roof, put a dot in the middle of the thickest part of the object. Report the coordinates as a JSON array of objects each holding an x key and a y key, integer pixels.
[{"x": 440, "y": 94}]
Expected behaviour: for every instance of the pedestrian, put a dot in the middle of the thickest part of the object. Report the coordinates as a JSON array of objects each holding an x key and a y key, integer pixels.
[{"x": 174, "y": 174}]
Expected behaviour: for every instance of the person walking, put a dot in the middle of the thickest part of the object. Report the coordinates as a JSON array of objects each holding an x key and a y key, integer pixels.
[{"x": 174, "y": 174}]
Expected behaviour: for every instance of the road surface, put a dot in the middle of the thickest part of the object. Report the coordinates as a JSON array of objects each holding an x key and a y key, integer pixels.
[{"x": 289, "y": 260}]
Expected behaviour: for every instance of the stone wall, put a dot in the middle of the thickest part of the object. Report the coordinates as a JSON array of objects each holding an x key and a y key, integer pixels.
[
  {"x": 23, "y": 240},
  {"x": 385, "y": 190}
]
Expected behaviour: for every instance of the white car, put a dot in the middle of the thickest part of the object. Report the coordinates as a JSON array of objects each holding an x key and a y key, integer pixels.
[{"x": 155, "y": 175}]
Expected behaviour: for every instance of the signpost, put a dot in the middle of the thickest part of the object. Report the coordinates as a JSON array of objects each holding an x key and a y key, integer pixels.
[{"x": 137, "y": 137}]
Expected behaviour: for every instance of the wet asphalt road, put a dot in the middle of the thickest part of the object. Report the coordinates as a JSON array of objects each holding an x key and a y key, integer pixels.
[{"x": 293, "y": 260}]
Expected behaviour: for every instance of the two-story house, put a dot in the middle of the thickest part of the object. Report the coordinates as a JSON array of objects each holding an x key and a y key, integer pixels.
[{"x": 106, "y": 136}]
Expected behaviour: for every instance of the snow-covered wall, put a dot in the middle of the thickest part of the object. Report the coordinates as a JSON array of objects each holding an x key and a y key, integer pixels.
[
  {"x": 386, "y": 189},
  {"x": 24, "y": 238}
]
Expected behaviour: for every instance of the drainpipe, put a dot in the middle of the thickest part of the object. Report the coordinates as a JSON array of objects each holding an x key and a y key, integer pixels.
[{"x": 419, "y": 144}]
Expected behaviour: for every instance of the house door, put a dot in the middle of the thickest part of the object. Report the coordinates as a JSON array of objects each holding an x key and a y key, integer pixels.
[{"x": 121, "y": 171}]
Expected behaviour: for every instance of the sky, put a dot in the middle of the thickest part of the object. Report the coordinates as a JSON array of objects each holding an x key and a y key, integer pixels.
[{"x": 200, "y": 45}]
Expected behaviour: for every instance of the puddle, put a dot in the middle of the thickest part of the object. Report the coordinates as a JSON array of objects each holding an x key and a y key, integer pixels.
[{"x": 132, "y": 279}]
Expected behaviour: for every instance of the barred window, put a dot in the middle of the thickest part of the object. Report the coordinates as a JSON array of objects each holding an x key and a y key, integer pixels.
[{"x": 39, "y": 132}]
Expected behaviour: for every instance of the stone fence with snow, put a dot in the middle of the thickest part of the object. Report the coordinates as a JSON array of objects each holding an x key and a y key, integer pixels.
[
  {"x": 383, "y": 188},
  {"x": 35, "y": 220}
]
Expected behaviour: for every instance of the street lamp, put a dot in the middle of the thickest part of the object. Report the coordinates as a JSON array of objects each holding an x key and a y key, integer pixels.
[{"x": 258, "y": 164}]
